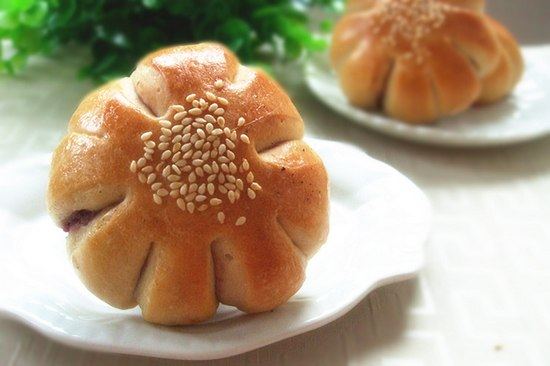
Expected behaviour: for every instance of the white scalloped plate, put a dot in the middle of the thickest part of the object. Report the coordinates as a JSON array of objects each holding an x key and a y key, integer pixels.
[
  {"x": 521, "y": 117},
  {"x": 379, "y": 222}
]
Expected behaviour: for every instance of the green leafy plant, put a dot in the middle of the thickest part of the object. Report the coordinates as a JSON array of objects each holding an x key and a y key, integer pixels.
[{"x": 119, "y": 32}]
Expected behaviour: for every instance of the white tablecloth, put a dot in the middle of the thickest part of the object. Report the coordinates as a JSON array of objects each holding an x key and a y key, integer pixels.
[{"x": 482, "y": 299}]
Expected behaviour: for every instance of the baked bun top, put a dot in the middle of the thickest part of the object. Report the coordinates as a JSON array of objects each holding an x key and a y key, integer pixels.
[
  {"x": 193, "y": 162},
  {"x": 418, "y": 59}
]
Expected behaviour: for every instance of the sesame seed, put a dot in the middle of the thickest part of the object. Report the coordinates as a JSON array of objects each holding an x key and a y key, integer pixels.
[
  {"x": 190, "y": 207},
  {"x": 185, "y": 147},
  {"x": 151, "y": 178},
  {"x": 245, "y": 165},
  {"x": 211, "y": 178},
  {"x": 230, "y": 144},
  {"x": 195, "y": 111},
  {"x": 211, "y": 188},
  {"x": 239, "y": 184},
  {"x": 166, "y": 154},
  {"x": 203, "y": 207},
  {"x": 181, "y": 204},
  {"x": 175, "y": 185},
  {"x": 177, "y": 129},
  {"x": 200, "y": 198},
  {"x": 163, "y": 138},
  {"x": 227, "y": 132},
  {"x": 209, "y": 127},
  {"x": 251, "y": 193},
  {"x": 215, "y": 167},
  {"x": 245, "y": 139},
  {"x": 148, "y": 150},
  {"x": 217, "y": 131},
  {"x": 240, "y": 221},
  {"x": 241, "y": 122},
  {"x": 166, "y": 131},
  {"x": 193, "y": 187},
  {"x": 232, "y": 168},
  {"x": 230, "y": 154},
  {"x": 200, "y": 120},
  {"x": 250, "y": 177},
  {"x": 209, "y": 118},
  {"x": 183, "y": 189},
  {"x": 174, "y": 193},
  {"x": 201, "y": 133},
  {"x": 188, "y": 154},
  {"x": 231, "y": 196},
  {"x": 166, "y": 171},
  {"x": 157, "y": 199},
  {"x": 215, "y": 201},
  {"x": 164, "y": 145},
  {"x": 212, "y": 107},
  {"x": 133, "y": 166},
  {"x": 173, "y": 178},
  {"x": 148, "y": 156},
  {"x": 221, "y": 217},
  {"x": 219, "y": 112},
  {"x": 176, "y": 147},
  {"x": 230, "y": 178},
  {"x": 221, "y": 178},
  {"x": 223, "y": 101},
  {"x": 165, "y": 123},
  {"x": 176, "y": 157},
  {"x": 223, "y": 159},
  {"x": 156, "y": 186},
  {"x": 230, "y": 186},
  {"x": 141, "y": 162},
  {"x": 255, "y": 186},
  {"x": 147, "y": 169},
  {"x": 176, "y": 169},
  {"x": 210, "y": 96},
  {"x": 221, "y": 121},
  {"x": 150, "y": 144},
  {"x": 218, "y": 84},
  {"x": 146, "y": 136},
  {"x": 197, "y": 154},
  {"x": 142, "y": 177},
  {"x": 179, "y": 116},
  {"x": 222, "y": 189},
  {"x": 186, "y": 122},
  {"x": 190, "y": 97},
  {"x": 191, "y": 177}
]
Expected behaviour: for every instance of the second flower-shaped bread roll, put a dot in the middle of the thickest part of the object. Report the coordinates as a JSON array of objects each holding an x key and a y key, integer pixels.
[
  {"x": 420, "y": 60},
  {"x": 189, "y": 184}
]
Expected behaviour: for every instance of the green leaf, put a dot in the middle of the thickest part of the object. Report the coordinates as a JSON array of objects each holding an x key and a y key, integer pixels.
[{"x": 34, "y": 16}]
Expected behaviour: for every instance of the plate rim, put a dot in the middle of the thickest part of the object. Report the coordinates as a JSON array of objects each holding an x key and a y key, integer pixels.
[
  {"x": 383, "y": 124},
  {"x": 395, "y": 274}
]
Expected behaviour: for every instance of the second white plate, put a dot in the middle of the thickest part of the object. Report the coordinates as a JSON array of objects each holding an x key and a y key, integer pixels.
[
  {"x": 379, "y": 221},
  {"x": 521, "y": 117}
]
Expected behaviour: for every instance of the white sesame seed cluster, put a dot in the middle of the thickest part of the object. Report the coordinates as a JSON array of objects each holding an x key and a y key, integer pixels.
[
  {"x": 195, "y": 156},
  {"x": 411, "y": 21}
]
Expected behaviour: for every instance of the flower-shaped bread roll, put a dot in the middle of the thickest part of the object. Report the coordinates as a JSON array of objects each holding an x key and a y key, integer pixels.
[
  {"x": 189, "y": 184},
  {"x": 356, "y": 5},
  {"x": 420, "y": 60}
]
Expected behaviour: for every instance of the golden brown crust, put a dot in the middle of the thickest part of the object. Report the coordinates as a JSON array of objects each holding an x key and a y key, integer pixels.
[
  {"x": 175, "y": 264},
  {"x": 360, "y": 5},
  {"x": 504, "y": 78},
  {"x": 421, "y": 60}
]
